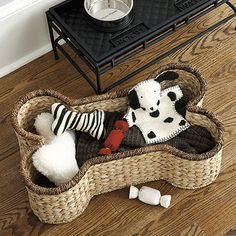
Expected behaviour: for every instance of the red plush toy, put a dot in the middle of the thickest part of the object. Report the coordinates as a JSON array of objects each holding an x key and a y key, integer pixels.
[{"x": 114, "y": 138}]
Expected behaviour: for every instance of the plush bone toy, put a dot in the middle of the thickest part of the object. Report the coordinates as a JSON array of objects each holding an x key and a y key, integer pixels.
[
  {"x": 153, "y": 111},
  {"x": 56, "y": 159},
  {"x": 150, "y": 196},
  {"x": 92, "y": 123},
  {"x": 114, "y": 138}
]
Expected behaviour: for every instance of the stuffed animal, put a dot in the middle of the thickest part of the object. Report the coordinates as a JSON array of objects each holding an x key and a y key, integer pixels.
[
  {"x": 56, "y": 159},
  {"x": 149, "y": 196},
  {"x": 114, "y": 138},
  {"x": 153, "y": 111},
  {"x": 64, "y": 119}
]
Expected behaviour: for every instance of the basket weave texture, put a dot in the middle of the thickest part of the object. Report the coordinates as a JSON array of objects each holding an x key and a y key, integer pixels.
[{"x": 104, "y": 174}]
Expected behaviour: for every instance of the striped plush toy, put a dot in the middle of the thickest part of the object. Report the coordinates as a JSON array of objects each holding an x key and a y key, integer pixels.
[{"x": 64, "y": 119}]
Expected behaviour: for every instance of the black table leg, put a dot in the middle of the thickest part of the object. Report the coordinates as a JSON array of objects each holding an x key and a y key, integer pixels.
[
  {"x": 49, "y": 21},
  {"x": 98, "y": 81}
]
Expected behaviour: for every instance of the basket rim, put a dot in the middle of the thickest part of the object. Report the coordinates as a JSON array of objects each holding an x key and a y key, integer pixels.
[{"x": 191, "y": 107}]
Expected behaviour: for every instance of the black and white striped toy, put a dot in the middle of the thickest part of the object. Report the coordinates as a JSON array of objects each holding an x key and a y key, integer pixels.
[{"x": 64, "y": 119}]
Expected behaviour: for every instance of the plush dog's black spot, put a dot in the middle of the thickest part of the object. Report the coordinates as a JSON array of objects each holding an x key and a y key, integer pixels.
[
  {"x": 133, "y": 99},
  {"x": 169, "y": 75},
  {"x": 143, "y": 108},
  {"x": 180, "y": 107},
  {"x": 151, "y": 135},
  {"x": 168, "y": 120},
  {"x": 154, "y": 114},
  {"x": 182, "y": 122},
  {"x": 133, "y": 117},
  {"x": 151, "y": 108},
  {"x": 172, "y": 96},
  {"x": 158, "y": 102}
]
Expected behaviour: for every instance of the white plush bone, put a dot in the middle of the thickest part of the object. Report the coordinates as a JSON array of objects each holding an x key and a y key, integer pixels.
[
  {"x": 149, "y": 195},
  {"x": 133, "y": 192},
  {"x": 165, "y": 201},
  {"x": 56, "y": 159},
  {"x": 42, "y": 124}
]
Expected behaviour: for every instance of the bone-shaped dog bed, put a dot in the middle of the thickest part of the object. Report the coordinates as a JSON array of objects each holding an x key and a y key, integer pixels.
[{"x": 107, "y": 173}]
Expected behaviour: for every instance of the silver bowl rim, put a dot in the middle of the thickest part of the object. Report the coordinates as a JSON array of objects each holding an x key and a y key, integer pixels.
[{"x": 131, "y": 7}]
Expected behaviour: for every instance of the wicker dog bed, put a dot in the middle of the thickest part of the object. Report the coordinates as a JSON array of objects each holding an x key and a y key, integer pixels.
[{"x": 104, "y": 174}]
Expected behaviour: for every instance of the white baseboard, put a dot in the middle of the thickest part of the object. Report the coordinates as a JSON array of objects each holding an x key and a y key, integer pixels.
[
  {"x": 24, "y": 60},
  {"x": 14, "y": 7}
]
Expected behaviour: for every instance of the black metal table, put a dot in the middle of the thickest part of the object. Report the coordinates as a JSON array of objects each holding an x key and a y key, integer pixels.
[{"x": 153, "y": 21}]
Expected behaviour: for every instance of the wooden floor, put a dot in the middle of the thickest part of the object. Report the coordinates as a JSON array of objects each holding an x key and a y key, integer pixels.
[{"x": 207, "y": 211}]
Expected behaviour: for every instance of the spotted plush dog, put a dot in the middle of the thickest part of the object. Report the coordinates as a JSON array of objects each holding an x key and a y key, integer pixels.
[{"x": 154, "y": 111}]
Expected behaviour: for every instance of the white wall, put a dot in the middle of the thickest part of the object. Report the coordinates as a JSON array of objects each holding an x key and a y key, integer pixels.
[
  {"x": 4, "y": 2},
  {"x": 23, "y": 33}
]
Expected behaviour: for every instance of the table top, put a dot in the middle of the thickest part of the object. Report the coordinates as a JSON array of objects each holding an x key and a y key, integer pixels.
[{"x": 150, "y": 18}]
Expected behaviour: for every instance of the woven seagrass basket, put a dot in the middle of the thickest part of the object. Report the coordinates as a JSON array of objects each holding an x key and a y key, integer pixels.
[{"x": 104, "y": 174}]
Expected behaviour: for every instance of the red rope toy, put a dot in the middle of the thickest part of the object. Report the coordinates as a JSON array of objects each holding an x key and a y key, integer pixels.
[{"x": 114, "y": 138}]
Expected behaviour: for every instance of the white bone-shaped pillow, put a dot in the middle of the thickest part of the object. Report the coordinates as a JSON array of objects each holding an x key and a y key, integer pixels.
[{"x": 56, "y": 159}]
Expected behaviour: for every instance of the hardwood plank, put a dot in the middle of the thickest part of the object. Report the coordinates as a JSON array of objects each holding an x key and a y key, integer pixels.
[
  {"x": 210, "y": 210},
  {"x": 193, "y": 230}
]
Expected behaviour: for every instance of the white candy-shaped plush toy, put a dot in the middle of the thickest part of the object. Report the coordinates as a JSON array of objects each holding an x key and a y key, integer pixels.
[
  {"x": 133, "y": 192},
  {"x": 56, "y": 159},
  {"x": 150, "y": 196},
  {"x": 165, "y": 201}
]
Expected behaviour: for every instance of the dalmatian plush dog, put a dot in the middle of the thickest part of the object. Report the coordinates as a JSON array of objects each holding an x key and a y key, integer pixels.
[{"x": 153, "y": 111}]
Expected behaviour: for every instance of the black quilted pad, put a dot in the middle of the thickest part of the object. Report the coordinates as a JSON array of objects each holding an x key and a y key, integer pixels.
[{"x": 149, "y": 15}]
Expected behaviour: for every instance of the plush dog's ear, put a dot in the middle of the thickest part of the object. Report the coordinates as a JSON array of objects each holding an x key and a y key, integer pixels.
[
  {"x": 133, "y": 99},
  {"x": 168, "y": 75}
]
